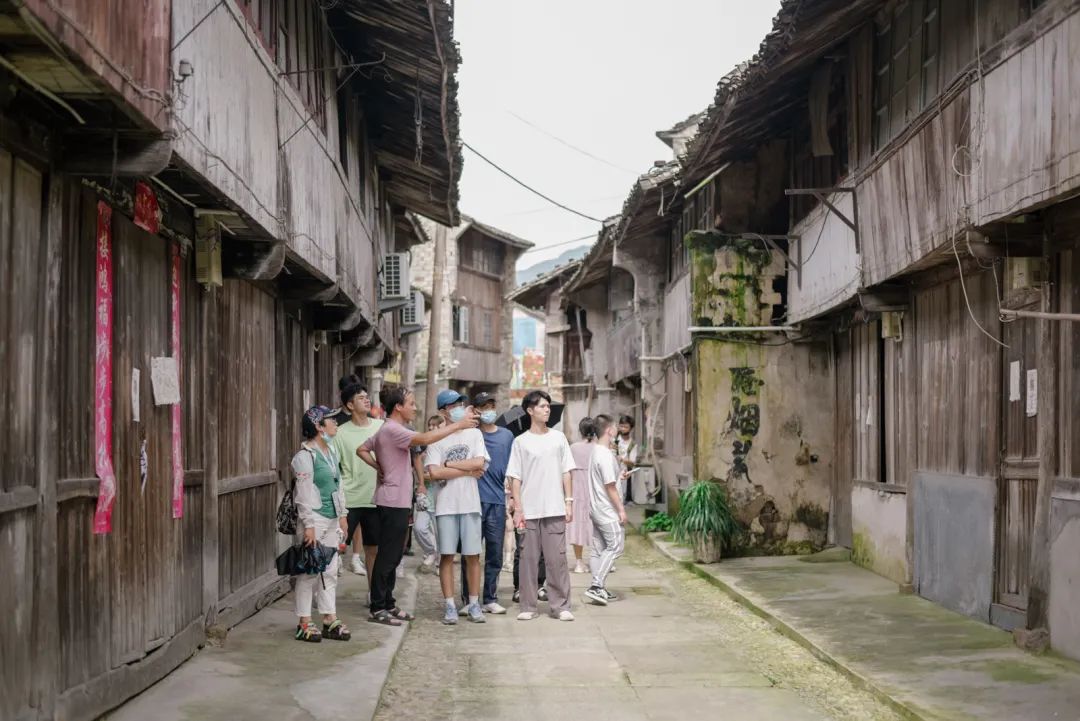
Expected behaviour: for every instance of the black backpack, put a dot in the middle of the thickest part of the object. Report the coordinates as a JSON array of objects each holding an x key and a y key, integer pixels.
[{"x": 287, "y": 515}]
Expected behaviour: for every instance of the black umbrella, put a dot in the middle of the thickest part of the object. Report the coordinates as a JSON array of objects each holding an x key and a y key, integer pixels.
[{"x": 516, "y": 420}]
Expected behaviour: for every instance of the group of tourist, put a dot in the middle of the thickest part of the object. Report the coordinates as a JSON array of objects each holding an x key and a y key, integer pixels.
[{"x": 363, "y": 484}]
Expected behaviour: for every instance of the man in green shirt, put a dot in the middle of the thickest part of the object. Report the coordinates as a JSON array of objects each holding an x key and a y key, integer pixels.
[{"x": 357, "y": 477}]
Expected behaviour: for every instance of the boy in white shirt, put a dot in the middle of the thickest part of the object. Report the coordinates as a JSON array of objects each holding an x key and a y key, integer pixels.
[
  {"x": 608, "y": 514},
  {"x": 539, "y": 473},
  {"x": 454, "y": 464}
]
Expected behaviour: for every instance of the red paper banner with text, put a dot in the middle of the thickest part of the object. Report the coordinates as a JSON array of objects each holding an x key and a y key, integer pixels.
[
  {"x": 177, "y": 417},
  {"x": 147, "y": 213},
  {"x": 103, "y": 330}
]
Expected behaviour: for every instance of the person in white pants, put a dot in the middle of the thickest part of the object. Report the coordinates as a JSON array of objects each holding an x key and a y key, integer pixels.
[
  {"x": 607, "y": 512},
  {"x": 322, "y": 518}
]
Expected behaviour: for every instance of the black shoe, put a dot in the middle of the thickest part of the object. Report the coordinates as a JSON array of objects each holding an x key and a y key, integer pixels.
[
  {"x": 541, "y": 595},
  {"x": 596, "y": 595},
  {"x": 610, "y": 596},
  {"x": 517, "y": 597}
]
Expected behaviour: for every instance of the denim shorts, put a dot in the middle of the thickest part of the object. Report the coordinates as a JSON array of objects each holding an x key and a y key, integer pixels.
[{"x": 459, "y": 527}]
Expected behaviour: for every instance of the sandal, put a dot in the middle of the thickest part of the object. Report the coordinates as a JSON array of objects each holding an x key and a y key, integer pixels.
[
  {"x": 385, "y": 618},
  {"x": 336, "y": 631},
  {"x": 308, "y": 632},
  {"x": 401, "y": 615}
]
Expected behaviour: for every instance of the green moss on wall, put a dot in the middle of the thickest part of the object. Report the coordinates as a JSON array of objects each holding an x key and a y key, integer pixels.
[{"x": 731, "y": 294}]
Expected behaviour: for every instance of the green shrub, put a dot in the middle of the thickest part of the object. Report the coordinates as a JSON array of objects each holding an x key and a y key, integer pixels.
[
  {"x": 656, "y": 523},
  {"x": 704, "y": 513}
]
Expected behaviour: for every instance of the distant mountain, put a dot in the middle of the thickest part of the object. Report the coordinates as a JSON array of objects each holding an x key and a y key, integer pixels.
[{"x": 527, "y": 275}]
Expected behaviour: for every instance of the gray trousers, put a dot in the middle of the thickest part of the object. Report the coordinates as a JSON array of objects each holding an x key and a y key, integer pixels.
[
  {"x": 607, "y": 544},
  {"x": 549, "y": 535}
]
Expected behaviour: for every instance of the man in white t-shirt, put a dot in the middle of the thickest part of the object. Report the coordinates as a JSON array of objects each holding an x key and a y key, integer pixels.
[
  {"x": 608, "y": 515},
  {"x": 454, "y": 464},
  {"x": 539, "y": 473}
]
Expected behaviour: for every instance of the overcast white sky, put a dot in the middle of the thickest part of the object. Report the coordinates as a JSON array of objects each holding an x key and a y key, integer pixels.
[{"x": 602, "y": 75}]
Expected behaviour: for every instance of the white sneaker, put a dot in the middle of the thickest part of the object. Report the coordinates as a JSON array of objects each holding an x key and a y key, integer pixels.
[
  {"x": 580, "y": 567},
  {"x": 527, "y": 615},
  {"x": 357, "y": 566},
  {"x": 494, "y": 608},
  {"x": 428, "y": 561},
  {"x": 400, "y": 572},
  {"x": 565, "y": 616}
]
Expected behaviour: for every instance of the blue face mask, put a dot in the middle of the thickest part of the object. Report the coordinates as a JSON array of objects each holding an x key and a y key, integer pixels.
[
  {"x": 488, "y": 417},
  {"x": 457, "y": 414},
  {"x": 326, "y": 437}
]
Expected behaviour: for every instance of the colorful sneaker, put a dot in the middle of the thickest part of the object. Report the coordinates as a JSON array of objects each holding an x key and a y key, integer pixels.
[
  {"x": 475, "y": 614},
  {"x": 596, "y": 595},
  {"x": 493, "y": 608},
  {"x": 450, "y": 616},
  {"x": 308, "y": 632}
]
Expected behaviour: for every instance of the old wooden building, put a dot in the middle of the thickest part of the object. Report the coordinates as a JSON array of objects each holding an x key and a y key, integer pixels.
[
  {"x": 853, "y": 300},
  {"x": 474, "y": 341},
  {"x": 202, "y": 227}
]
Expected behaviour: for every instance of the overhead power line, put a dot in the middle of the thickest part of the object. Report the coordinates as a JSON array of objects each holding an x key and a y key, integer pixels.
[
  {"x": 573, "y": 147},
  {"x": 560, "y": 244},
  {"x": 528, "y": 187}
]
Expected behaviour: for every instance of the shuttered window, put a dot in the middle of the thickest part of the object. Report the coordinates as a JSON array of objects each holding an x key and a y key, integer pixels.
[{"x": 906, "y": 44}]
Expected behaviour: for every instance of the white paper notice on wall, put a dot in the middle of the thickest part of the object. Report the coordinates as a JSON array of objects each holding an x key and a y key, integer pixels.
[
  {"x": 1014, "y": 381},
  {"x": 1032, "y": 392},
  {"x": 135, "y": 376},
  {"x": 165, "y": 378},
  {"x": 869, "y": 410}
]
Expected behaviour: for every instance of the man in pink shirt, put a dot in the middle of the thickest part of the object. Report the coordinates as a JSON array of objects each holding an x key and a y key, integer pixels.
[{"x": 388, "y": 453}]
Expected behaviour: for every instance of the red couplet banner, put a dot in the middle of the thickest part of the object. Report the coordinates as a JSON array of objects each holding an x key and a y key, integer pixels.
[
  {"x": 103, "y": 331},
  {"x": 177, "y": 417}
]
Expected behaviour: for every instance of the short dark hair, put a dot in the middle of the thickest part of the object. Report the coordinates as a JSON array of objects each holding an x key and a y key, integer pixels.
[
  {"x": 627, "y": 420},
  {"x": 350, "y": 391},
  {"x": 390, "y": 397},
  {"x": 587, "y": 428},
  {"x": 350, "y": 380},
  {"x": 533, "y": 398},
  {"x": 308, "y": 429},
  {"x": 602, "y": 423}
]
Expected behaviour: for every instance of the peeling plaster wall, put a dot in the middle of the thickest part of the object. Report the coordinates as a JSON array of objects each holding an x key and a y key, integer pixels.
[
  {"x": 764, "y": 427},
  {"x": 1065, "y": 569},
  {"x": 879, "y": 531}
]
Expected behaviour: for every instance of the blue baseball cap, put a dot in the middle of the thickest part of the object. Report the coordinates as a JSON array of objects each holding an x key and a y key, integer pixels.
[{"x": 446, "y": 398}]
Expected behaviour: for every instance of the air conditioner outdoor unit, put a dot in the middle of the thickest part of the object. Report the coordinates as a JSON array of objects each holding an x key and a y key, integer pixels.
[
  {"x": 394, "y": 280},
  {"x": 412, "y": 315}
]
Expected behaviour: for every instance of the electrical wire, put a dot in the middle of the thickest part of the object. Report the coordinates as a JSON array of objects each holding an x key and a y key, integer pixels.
[
  {"x": 528, "y": 187},
  {"x": 573, "y": 147},
  {"x": 561, "y": 244}
]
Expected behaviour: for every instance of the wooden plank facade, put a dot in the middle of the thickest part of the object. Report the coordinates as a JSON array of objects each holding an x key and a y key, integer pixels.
[{"x": 96, "y": 616}]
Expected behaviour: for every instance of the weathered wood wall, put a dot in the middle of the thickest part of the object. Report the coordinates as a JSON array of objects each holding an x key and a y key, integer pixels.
[
  {"x": 134, "y": 64},
  {"x": 625, "y": 343}
]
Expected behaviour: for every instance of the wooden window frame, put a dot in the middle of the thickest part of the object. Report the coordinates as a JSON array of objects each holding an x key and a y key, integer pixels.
[{"x": 920, "y": 81}]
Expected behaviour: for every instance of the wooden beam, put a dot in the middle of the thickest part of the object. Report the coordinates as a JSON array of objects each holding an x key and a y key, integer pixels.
[
  {"x": 18, "y": 499},
  {"x": 69, "y": 489},
  {"x": 252, "y": 260},
  {"x": 309, "y": 291},
  {"x": 884, "y": 300},
  {"x": 106, "y": 155},
  {"x": 251, "y": 597},
  {"x": 1046, "y": 363},
  {"x": 210, "y": 367},
  {"x": 46, "y": 596},
  {"x": 242, "y": 483}
]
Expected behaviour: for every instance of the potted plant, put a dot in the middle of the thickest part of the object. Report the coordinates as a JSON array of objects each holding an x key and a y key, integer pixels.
[{"x": 705, "y": 521}]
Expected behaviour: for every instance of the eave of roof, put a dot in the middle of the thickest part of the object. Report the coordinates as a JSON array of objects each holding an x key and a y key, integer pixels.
[
  {"x": 410, "y": 45},
  {"x": 497, "y": 234},
  {"x": 758, "y": 92},
  {"x": 535, "y": 287}
]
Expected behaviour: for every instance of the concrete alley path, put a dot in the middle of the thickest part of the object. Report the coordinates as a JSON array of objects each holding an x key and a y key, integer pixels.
[{"x": 672, "y": 647}]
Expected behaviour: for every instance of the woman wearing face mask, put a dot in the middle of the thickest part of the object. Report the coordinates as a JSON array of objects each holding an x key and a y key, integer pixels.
[
  {"x": 580, "y": 530},
  {"x": 322, "y": 517}
]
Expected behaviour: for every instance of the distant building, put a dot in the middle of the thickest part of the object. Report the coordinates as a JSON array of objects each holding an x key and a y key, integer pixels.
[
  {"x": 476, "y": 325},
  {"x": 529, "y": 338}
]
